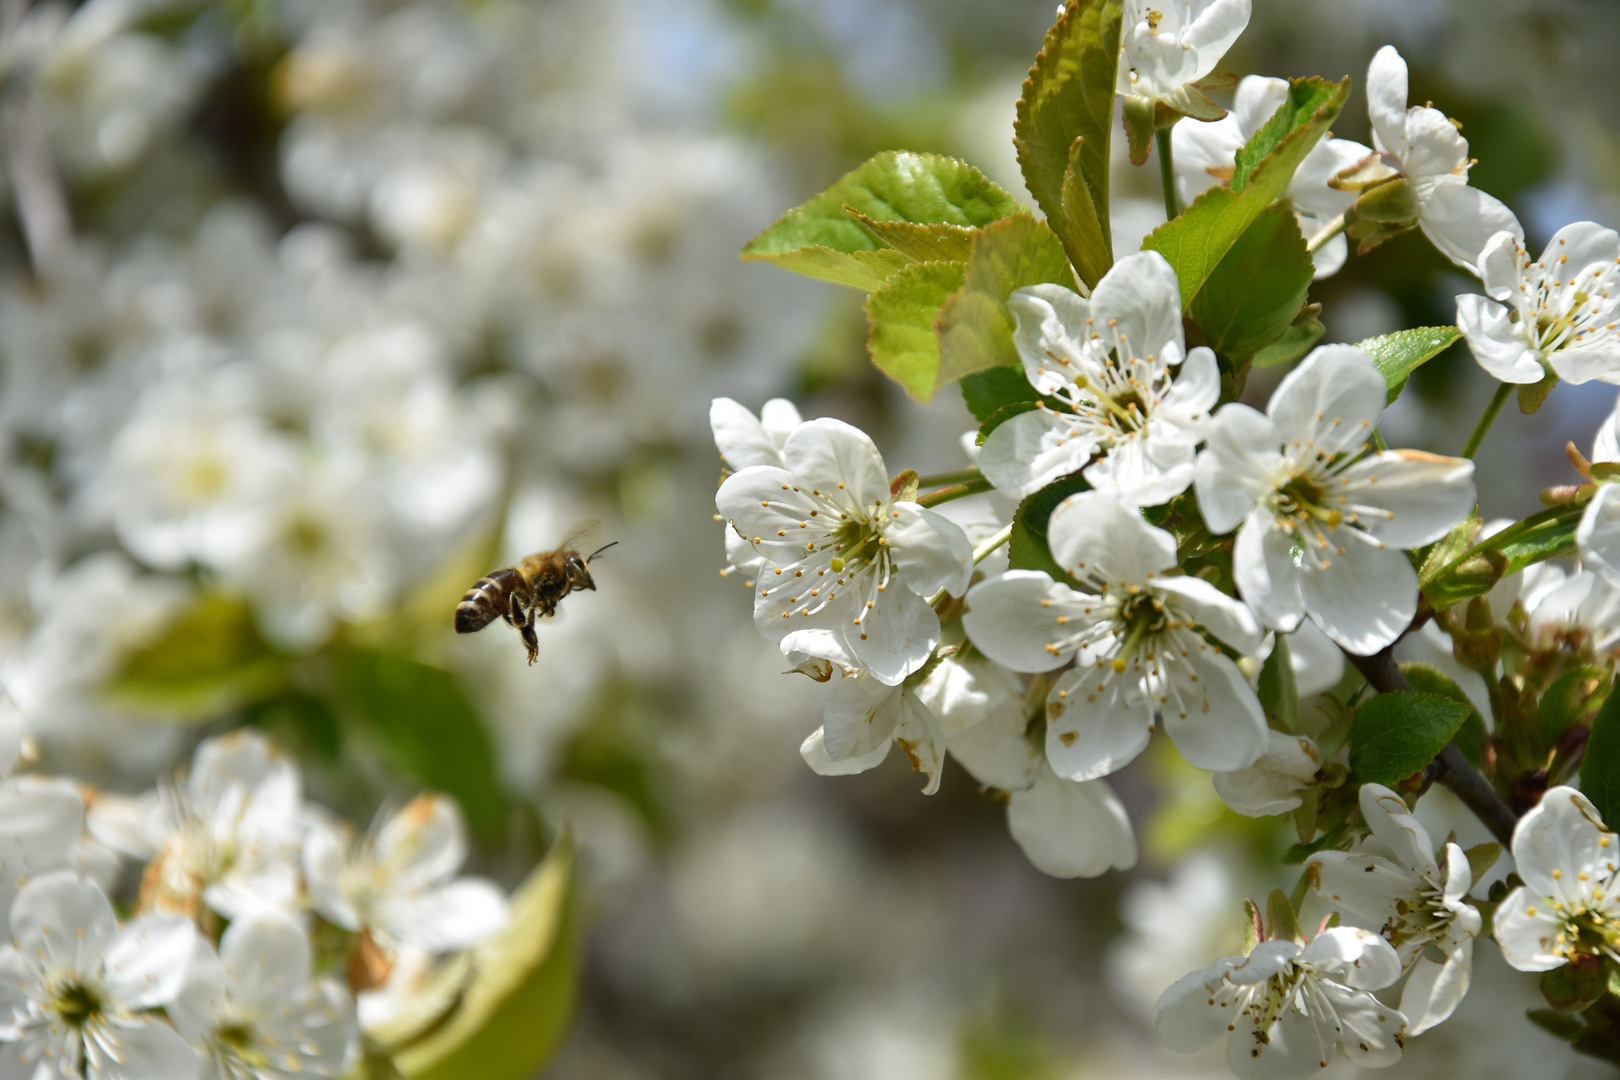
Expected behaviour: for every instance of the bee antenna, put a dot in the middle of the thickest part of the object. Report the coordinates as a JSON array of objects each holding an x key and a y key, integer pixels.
[{"x": 599, "y": 551}]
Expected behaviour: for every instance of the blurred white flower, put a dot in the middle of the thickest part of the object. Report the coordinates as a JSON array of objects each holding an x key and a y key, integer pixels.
[
  {"x": 1568, "y": 904},
  {"x": 78, "y": 991},
  {"x": 253, "y": 1011},
  {"x": 1414, "y": 902},
  {"x": 1189, "y": 914},
  {"x": 398, "y": 883},
  {"x": 1206, "y": 154},
  {"x": 1108, "y": 359},
  {"x": 842, "y": 553},
  {"x": 1323, "y": 518},
  {"x": 1135, "y": 639},
  {"x": 1552, "y": 315},
  {"x": 1289, "y": 1008}
]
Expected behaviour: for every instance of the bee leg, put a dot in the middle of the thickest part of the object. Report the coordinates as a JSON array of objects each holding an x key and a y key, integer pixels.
[{"x": 530, "y": 641}]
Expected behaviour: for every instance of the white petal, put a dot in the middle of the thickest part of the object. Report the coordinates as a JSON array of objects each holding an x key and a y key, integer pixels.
[
  {"x": 1024, "y": 454},
  {"x": 1359, "y": 958},
  {"x": 1527, "y": 930},
  {"x": 266, "y": 957},
  {"x": 1365, "y": 599},
  {"x": 918, "y": 736},
  {"x": 1386, "y": 99},
  {"x": 1198, "y": 148},
  {"x": 825, "y": 453},
  {"x": 779, "y": 418},
  {"x": 1141, "y": 295},
  {"x": 1264, "y": 569},
  {"x": 1436, "y": 150},
  {"x": 1333, "y": 398},
  {"x": 454, "y": 916},
  {"x": 1494, "y": 339},
  {"x": 1460, "y": 220},
  {"x": 1372, "y": 1031},
  {"x": 860, "y": 717},
  {"x": 1094, "y": 534},
  {"x": 1071, "y": 830},
  {"x": 1213, "y": 31},
  {"x": 1007, "y": 621},
  {"x": 963, "y": 695},
  {"x": 997, "y": 756},
  {"x": 1597, "y": 537},
  {"x": 151, "y": 1050},
  {"x": 1144, "y": 472},
  {"x": 1294, "y": 1047},
  {"x": 814, "y": 752},
  {"x": 1396, "y": 828},
  {"x": 1195, "y": 389},
  {"x": 740, "y": 437},
  {"x": 1500, "y": 266},
  {"x": 1098, "y": 722},
  {"x": 1330, "y": 258},
  {"x": 40, "y": 818},
  {"x": 146, "y": 963},
  {"x": 324, "y": 857},
  {"x": 196, "y": 1008},
  {"x": 930, "y": 550},
  {"x": 424, "y": 843},
  {"x": 1422, "y": 496},
  {"x": 1563, "y": 833},
  {"x": 1239, "y": 467},
  {"x": 1366, "y": 888},
  {"x": 1597, "y": 358},
  {"x": 1229, "y": 620},
  {"x": 1223, "y": 727},
  {"x": 1257, "y": 99},
  {"x": 1185, "y": 1017},
  {"x": 64, "y": 921},
  {"x": 1435, "y": 988},
  {"x": 1268, "y": 958},
  {"x": 896, "y": 636},
  {"x": 1318, "y": 663},
  {"x": 1273, "y": 784}
]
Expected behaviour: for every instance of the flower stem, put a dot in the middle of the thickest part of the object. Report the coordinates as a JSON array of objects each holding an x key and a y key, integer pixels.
[
  {"x": 1167, "y": 175},
  {"x": 957, "y": 491},
  {"x": 1378, "y": 441},
  {"x": 944, "y": 478},
  {"x": 1450, "y": 767},
  {"x": 1324, "y": 234},
  {"x": 1485, "y": 422}
]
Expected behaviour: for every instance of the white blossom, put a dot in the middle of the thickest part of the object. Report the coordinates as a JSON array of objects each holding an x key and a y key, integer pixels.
[
  {"x": 1109, "y": 361},
  {"x": 1275, "y": 784},
  {"x": 1166, "y": 47},
  {"x": 1136, "y": 636},
  {"x": 744, "y": 439},
  {"x": 1321, "y": 517},
  {"x": 1597, "y": 537},
  {"x": 399, "y": 885},
  {"x": 1205, "y": 155},
  {"x": 1423, "y": 144},
  {"x": 1290, "y": 1009},
  {"x": 864, "y": 717},
  {"x": 77, "y": 991},
  {"x": 1555, "y": 315},
  {"x": 1417, "y": 900},
  {"x": 842, "y": 553},
  {"x": 254, "y": 1012},
  {"x": 1567, "y": 905}
]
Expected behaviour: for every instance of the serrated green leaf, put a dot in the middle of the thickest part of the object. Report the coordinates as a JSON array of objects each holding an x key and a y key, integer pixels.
[
  {"x": 1600, "y": 770},
  {"x": 1197, "y": 241},
  {"x": 1305, "y": 97},
  {"x": 988, "y": 391},
  {"x": 1396, "y": 734},
  {"x": 822, "y": 239},
  {"x": 1295, "y": 342},
  {"x": 1397, "y": 355},
  {"x": 1065, "y": 118},
  {"x": 1428, "y": 679},
  {"x": 975, "y": 326},
  {"x": 517, "y": 1009},
  {"x": 208, "y": 660},
  {"x": 422, "y": 722},
  {"x": 1539, "y": 537},
  {"x": 902, "y": 339},
  {"x": 921, "y": 242},
  {"x": 1252, "y": 295},
  {"x": 1027, "y": 549}
]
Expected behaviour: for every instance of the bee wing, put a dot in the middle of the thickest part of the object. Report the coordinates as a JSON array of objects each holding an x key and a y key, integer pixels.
[{"x": 577, "y": 533}]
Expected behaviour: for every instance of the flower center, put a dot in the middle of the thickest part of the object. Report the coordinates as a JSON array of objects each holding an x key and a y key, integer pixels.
[
  {"x": 77, "y": 1004},
  {"x": 1302, "y": 498}
]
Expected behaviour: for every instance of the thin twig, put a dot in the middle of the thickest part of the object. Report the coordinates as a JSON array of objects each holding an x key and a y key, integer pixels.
[
  {"x": 1167, "y": 175},
  {"x": 1451, "y": 768},
  {"x": 1324, "y": 234},
  {"x": 1497, "y": 401}
]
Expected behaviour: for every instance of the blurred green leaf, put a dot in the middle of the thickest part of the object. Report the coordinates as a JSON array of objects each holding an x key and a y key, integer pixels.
[
  {"x": 903, "y": 342},
  {"x": 1396, "y": 734},
  {"x": 1295, "y": 342},
  {"x": 1428, "y": 679},
  {"x": 1197, "y": 241},
  {"x": 975, "y": 327},
  {"x": 1539, "y": 537},
  {"x": 1061, "y": 133},
  {"x": 423, "y": 723},
  {"x": 1600, "y": 770},
  {"x": 1027, "y": 549},
  {"x": 1279, "y": 694},
  {"x": 1575, "y": 697},
  {"x": 208, "y": 660},
  {"x": 1397, "y": 355},
  {"x": 822, "y": 239},
  {"x": 517, "y": 1008},
  {"x": 1252, "y": 295}
]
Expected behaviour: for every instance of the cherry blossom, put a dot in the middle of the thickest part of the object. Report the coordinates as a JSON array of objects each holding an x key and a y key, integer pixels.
[
  {"x": 1166, "y": 48},
  {"x": 1567, "y": 905}
]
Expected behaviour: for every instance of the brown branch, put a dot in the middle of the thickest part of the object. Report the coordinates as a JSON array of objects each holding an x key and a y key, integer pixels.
[{"x": 1451, "y": 768}]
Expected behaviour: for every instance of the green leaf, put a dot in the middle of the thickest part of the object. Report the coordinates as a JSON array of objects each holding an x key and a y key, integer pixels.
[
  {"x": 1428, "y": 679},
  {"x": 921, "y": 242},
  {"x": 822, "y": 239},
  {"x": 1061, "y": 133},
  {"x": 1396, "y": 734},
  {"x": 1281, "y": 922},
  {"x": 901, "y": 314},
  {"x": 422, "y": 722},
  {"x": 1600, "y": 770},
  {"x": 1397, "y": 355},
  {"x": 1549, "y": 534},
  {"x": 975, "y": 326},
  {"x": 1027, "y": 549},
  {"x": 1197, "y": 241},
  {"x": 987, "y": 392},
  {"x": 1295, "y": 342},
  {"x": 516, "y": 1010},
  {"x": 208, "y": 660},
  {"x": 1304, "y": 98},
  {"x": 1449, "y": 547},
  {"x": 1252, "y": 295},
  {"x": 1481, "y": 857},
  {"x": 1279, "y": 695}
]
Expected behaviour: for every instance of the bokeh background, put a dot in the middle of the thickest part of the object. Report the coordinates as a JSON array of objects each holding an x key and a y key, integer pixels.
[{"x": 312, "y": 311}]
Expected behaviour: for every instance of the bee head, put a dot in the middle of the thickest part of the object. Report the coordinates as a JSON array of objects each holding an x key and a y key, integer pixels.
[{"x": 578, "y": 574}]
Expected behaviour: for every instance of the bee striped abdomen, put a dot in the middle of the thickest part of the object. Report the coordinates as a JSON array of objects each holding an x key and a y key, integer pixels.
[{"x": 489, "y": 599}]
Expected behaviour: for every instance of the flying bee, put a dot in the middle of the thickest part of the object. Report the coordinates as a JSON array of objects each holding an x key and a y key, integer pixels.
[{"x": 528, "y": 591}]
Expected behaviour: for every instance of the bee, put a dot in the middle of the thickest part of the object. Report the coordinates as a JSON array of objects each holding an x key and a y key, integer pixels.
[{"x": 528, "y": 591}]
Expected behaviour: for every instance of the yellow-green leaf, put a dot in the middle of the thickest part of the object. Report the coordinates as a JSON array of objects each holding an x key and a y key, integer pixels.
[
  {"x": 208, "y": 660},
  {"x": 902, "y": 341},
  {"x": 1397, "y": 355},
  {"x": 975, "y": 327}
]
